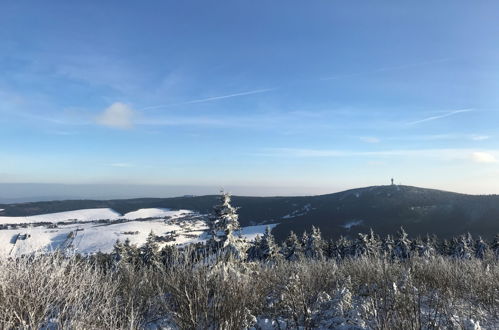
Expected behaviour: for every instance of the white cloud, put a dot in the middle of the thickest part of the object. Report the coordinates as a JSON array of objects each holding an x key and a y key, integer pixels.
[
  {"x": 480, "y": 137},
  {"x": 118, "y": 115},
  {"x": 483, "y": 157},
  {"x": 440, "y": 154},
  {"x": 370, "y": 139},
  {"x": 121, "y": 165}
]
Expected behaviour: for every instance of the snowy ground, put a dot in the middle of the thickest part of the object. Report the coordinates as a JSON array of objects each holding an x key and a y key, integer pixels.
[{"x": 92, "y": 230}]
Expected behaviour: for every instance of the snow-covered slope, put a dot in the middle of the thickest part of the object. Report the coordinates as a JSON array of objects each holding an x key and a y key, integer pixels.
[
  {"x": 92, "y": 215},
  {"x": 84, "y": 231}
]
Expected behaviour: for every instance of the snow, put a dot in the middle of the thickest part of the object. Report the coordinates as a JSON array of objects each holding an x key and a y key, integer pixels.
[
  {"x": 2, "y": 210},
  {"x": 300, "y": 212},
  {"x": 78, "y": 215},
  {"x": 81, "y": 230},
  {"x": 352, "y": 223},
  {"x": 92, "y": 237},
  {"x": 154, "y": 213},
  {"x": 251, "y": 232},
  {"x": 92, "y": 215}
]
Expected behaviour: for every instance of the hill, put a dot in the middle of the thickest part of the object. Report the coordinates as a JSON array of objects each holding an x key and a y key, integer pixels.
[{"x": 382, "y": 208}]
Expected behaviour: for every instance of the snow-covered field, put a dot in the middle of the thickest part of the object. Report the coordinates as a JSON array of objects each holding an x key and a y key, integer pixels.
[
  {"x": 93, "y": 214},
  {"x": 91, "y": 230}
]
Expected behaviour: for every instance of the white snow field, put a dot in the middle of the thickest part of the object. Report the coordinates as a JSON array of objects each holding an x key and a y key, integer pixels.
[
  {"x": 85, "y": 231},
  {"x": 251, "y": 232},
  {"x": 93, "y": 214}
]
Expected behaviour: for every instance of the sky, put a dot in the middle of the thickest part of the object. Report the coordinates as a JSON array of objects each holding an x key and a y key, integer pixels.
[{"x": 262, "y": 97}]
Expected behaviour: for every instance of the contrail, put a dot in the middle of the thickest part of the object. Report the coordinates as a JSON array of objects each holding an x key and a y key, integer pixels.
[
  {"x": 448, "y": 114},
  {"x": 209, "y": 99},
  {"x": 388, "y": 68}
]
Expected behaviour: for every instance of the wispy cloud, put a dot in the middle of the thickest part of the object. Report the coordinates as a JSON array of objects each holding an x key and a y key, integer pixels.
[
  {"x": 121, "y": 165},
  {"x": 118, "y": 115},
  {"x": 388, "y": 68},
  {"x": 436, "y": 117},
  {"x": 489, "y": 156},
  {"x": 370, "y": 139},
  {"x": 479, "y": 137},
  {"x": 210, "y": 99}
]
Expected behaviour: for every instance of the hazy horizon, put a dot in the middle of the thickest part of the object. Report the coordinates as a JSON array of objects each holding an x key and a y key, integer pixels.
[{"x": 37, "y": 192}]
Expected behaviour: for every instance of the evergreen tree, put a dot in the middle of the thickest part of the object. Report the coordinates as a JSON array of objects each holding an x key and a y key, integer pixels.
[
  {"x": 495, "y": 246},
  {"x": 445, "y": 248},
  {"x": 481, "y": 248},
  {"x": 387, "y": 247},
  {"x": 314, "y": 245},
  {"x": 462, "y": 247},
  {"x": 343, "y": 247},
  {"x": 427, "y": 250},
  {"x": 292, "y": 249},
  {"x": 118, "y": 252},
  {"x": 330, "y": 251},
  {"x": 402, "y": 248},
  {"x": 254, "y": 252},
  {"x": 268, "y": 248},
  {"x": 149, "y": 252},
  {"x": 225, "y": 230},
  {"x": 360, "y": 246},
  {"x": 130, "y": 253}
]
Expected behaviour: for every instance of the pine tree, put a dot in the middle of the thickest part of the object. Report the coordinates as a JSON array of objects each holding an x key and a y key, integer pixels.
[
  {"x": 254, "y": 252},
  {"x": 344, "y": 248},
  {"x": 481, "y": 248},
  {"x": 402, "y": 250},
  {"x": 445, "y": 247},
  {"x": 225, "y": 230},
  {"x": 268, "y": 248},
  {"x": 495, "y": 246},
  {"x": 292, "y": 249},
  {"x": 149, "y": 252},
  {"x": 314, "y": 245},
  {"x": 427, "y": 250},
  {"x": 387, "y": 247},
  {"x": 360, "y": 246},
  {"x": 462, "y": 247},
  {"x": 130, "y": 253},
  {"x": 118, "y": 252}
]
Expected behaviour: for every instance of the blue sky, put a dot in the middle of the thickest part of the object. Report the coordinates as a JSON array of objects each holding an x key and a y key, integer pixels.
[{"x": 266, "y": 96}]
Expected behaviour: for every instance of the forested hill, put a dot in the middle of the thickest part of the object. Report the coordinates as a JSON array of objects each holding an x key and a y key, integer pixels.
[{"x": 382, "y": 208}]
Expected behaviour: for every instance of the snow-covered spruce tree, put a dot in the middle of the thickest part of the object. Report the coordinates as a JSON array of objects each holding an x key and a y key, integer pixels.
[
  {"x": 402, "y": 248},
  {"x": 125, "y": 253},
  {"x": 330, "y": 251},
  {"x": 427, "y": 250},
  {"x": 314, "y": 245},
  {"x": 225, "y": 230},
  {"x": 343, "y": 247},
  {"x": 387, "y": 247},
  {"x": 481, "y": 248},
  {"x": 495, "y": 246},
  {"x": 149, "y": 252},
  {"x": 445, "y": 248},
  {"x": 462, "y": 247},
  {"x": 374, "y": 247},
  {"x": 268, "y": 247},
  {"x": 118, "y": 252},
  {"x": 292, "y": 248},
  {"x": 359, "y": 247},
  {"x": 254, "y": 249},
  {"x": 366, "y": 245}
]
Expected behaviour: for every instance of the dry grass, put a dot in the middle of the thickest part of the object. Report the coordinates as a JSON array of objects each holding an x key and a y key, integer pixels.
[{"x": 53, "y": 291}]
